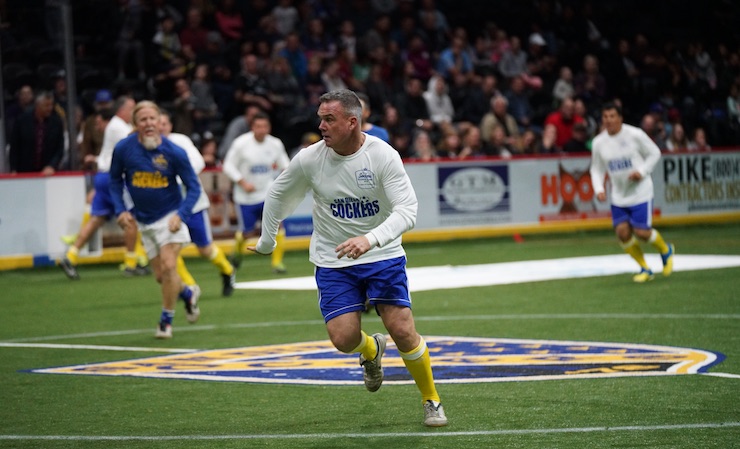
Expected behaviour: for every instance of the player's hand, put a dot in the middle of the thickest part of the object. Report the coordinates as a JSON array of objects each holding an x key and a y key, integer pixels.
[
  {"x": 635, "y": 176},
  {"x": 353, "y": 248},
  {"x": 125, "y": 219},
  {"x": 254, "y": 250},
  {"x": 174, "y": 223},
  {"x": 601, "y": 196}
]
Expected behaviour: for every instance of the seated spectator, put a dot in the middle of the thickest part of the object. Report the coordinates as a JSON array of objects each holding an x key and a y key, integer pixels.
[
  {"x": 677, "y": 140},
  {"x": 473, "y": 146},
  {"x": 412, "y": 107},
  {"x": 286, "y": 17},
  {"x": 439, "y": 104},
  {"x": 699, "y": 142},
  {"x": 498, "y": 145},
  {"x": 654, "y": 129},
  {"x": 251, "y": 84},
  {"x": 529, "y": 143},
  {"x": 229, "y": 21},
  {"x": 579, "y": 109},
  {"x": 23, "y": 102},
  {"x": 497, "y": 116},
  {"x": 590, "y": 84},
  {"x": 477, "y": 102},
  {"x": 205, "y": 109},
  {"x": 455, "y": 59},
  {"x": 449, "y": 145},
  {"x": 296, "y": 57},
  {"x": 37, "y": 139},
  {"x": 564, "y": 119},
  {"x": 549, "y": 137},
  {"x": 513, "y": 62},
  {"x": 194, "y": 35},
  {"x": 419, "y": 57},
  {"x": 422, "y": 148},
  {"x": 166, "y": 43},
  {"x": 317, "y": 42},
  {"x": 331, "y": 77},
  {"x": 519, "y": 105},
  {"x": 578, "y": 142},
  {"x": 564, "y": 85},
  {"x": 313, "y": 85}
]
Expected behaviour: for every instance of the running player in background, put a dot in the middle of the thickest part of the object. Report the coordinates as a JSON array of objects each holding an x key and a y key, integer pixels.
[
  {"x": 101, "y": 211},
  {"x": 252, "y": 163},
  {"x": 149, "y": 165},
  {"x": 199, "y": 224},
  {"x": 628, "y": 156},
  {"x": 363, "y": 201}
]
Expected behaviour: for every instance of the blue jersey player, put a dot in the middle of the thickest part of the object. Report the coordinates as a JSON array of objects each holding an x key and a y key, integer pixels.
[{"x": 149, "y": 164}]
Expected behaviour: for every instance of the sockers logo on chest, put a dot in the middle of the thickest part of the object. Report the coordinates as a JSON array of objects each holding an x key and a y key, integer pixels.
[
  {"x": 365, "y": 179},
  {"x": 454, "y": 359}
]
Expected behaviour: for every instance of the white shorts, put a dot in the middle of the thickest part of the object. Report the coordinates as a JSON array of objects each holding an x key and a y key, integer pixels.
[{"x": 157, "y": 234}]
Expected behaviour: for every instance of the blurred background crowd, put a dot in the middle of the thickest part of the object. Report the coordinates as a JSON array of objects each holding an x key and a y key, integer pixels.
[{"x": 445, "y": 78}]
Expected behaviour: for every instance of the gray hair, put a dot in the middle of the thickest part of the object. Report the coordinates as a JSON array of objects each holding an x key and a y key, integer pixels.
[{"x": 348, "y": 99}]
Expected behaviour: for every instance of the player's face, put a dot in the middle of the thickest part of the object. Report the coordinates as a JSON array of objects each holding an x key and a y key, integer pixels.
[
  {"x": 336, "y": 126},
  {"x": 611, "y": 120},
  {"x": 260, "y": 128},
  {"x": 147, "y": 125},
  {"x": 165, "y": 125}
]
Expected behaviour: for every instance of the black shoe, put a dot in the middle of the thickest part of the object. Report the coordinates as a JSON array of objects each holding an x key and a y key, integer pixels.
[
  {"x": 228, "y": 283},
  {"x": 69, "y": 269},
  {"x": 137, "y": 271}
]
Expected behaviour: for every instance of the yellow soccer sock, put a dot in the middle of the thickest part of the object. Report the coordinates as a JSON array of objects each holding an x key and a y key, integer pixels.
[
  {"x": 279, "y": 252},
  {"x": 367, "y": 347},
  {"x": 182, "y": 270},
  {"x": 72, "y": 254},
  {"x": 419, "y": 364},
  {"x": 130, "y": 260},
  {"x": 657, "y": 241},
  {"x": 632, "y": 247},
  {"x": 219, "y": 259},
  {"x": 141, "y": 257},
  {"x": 86, "y": 216},
  {"x": 239, "y": 243}
]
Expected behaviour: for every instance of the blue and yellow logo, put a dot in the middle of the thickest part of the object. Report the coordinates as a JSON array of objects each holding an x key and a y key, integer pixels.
[{"x": 455, "y": 360}]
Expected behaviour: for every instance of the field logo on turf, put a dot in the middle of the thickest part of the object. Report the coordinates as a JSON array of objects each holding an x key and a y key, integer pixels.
[{"x": 455, "y": 360}]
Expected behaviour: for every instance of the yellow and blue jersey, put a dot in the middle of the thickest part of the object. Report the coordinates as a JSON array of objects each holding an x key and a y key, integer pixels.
[{"x": 151, "y": 179}]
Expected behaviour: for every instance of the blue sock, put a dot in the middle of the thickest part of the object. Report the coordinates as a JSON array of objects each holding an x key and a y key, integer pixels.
[
  {"x": 186, "y": 294},
  {"x": 167, "y": 316}
]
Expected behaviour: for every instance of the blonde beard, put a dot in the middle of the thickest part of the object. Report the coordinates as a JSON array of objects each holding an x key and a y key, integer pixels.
[{"x": 149, "y": 143}]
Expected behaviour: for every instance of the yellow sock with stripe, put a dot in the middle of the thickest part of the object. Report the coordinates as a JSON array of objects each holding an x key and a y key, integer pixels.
[
  {"x": 183, "y": 272},
  {"x": 367, "y": 347},
  {"x": 131, "y": 259},
  {"x": 632, "y": 247},
  {"x": 219, "y": 259},
  {"x": 279, "y": 252},
  {"x": 419, "y": 364},
  {"x": 141, "y": 257},
  {"x": 657, "y": 241},
  {"x": 72, "y": 254}
]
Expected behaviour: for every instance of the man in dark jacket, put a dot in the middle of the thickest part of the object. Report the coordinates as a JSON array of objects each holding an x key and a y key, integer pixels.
[{"x": 37, "y": 139}]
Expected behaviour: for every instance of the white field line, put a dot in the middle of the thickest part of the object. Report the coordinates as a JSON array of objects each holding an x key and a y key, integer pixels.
[
  {"x": 94, "y": 347},
  {"x": 534, "y": 316},
  {"x": 330, "y": 436}
]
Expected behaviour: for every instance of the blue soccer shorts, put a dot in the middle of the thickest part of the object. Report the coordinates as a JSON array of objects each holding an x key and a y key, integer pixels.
[
  {"x": 199, "y": 225},
  {"x": 639, "y": 216},
  {"x": 102, "y": 205},
  {"x": 248, "y": 215},
  {"x": 344, "y": 290}
]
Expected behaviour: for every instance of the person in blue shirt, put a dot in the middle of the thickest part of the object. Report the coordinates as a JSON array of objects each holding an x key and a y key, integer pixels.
[
  {"x": 370, "y": 128},
  {"x": 149, "y": 165}
]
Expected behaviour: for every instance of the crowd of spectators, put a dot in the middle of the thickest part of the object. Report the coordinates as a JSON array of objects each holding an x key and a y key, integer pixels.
[{"x": 445, "y": 78}]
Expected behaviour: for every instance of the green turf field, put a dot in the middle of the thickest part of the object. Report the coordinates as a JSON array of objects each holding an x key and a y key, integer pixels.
[{"x": 48, "y": 321}]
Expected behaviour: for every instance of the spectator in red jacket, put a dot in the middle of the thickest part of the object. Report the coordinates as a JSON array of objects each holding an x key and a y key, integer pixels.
[{"x": 564, "y": 119}]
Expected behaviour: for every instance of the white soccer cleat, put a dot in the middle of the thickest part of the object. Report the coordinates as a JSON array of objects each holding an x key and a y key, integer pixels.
[
  {"x": 372, "y": 369},
  {"x": 434, "y": 414}
]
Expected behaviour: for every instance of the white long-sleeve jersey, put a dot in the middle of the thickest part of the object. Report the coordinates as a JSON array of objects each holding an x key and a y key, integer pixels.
[
  {"x": 198, "y": 163},
  {"x": 257, "y": 163},
  {"x": 367, "y": 193},
  {"x": 619, "y": 155},
  {"x": 115, "y": 130}
]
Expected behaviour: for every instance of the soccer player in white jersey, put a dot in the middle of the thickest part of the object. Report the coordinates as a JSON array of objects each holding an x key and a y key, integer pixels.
[
  {"x": 363, "y": 201},
  {"x": 117, "y": 129},
  {"x": 628, "y": 156},
  {"x": 199, "y": 224},
  {"x": 252, "y": 162}
]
